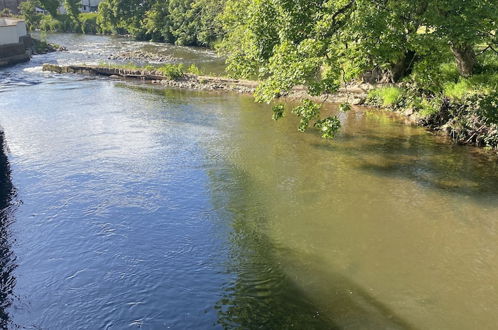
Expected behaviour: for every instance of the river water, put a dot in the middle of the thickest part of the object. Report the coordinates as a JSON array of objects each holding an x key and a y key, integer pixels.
[{"x": 129, "y": 206}]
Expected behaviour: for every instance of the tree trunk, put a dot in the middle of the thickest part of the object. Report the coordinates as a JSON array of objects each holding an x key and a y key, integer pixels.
[
  {"x": 404, "y": 66},
  {"x": 465, "y": 58}
]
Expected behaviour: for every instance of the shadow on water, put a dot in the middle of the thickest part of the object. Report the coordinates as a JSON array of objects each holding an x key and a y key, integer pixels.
[
  {"x": 7, "y": 258},
  {"x": 262, "y": 293},
  {"x": 422, "y": 159}
]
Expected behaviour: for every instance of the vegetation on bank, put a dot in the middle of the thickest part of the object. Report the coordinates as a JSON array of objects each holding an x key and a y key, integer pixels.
[
  {"x": 466, "y": 108},
  {"x": 439, "y": 58},
  {"x": 171, "y": 71},
  {"x": 183, "y": 22}
]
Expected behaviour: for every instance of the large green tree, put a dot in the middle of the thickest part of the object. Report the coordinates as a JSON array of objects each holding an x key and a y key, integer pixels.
[{"x": 323, "y": 43}]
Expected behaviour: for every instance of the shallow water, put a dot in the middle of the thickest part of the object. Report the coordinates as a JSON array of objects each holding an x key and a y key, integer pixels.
[{"x": 137, "y": 207}]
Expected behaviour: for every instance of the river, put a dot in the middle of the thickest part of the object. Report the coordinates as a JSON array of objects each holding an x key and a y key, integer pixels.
[{"x": 129, "y": 206}]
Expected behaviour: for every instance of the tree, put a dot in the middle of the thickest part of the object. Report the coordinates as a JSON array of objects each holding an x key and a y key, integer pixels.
[
  {"x": 73, "y": 11},
  {"x": 51, "y": 6},
  {"x": 322, "y": 43},
  {"x": 464, "y": 24},
  {"x": 28, "y": 12}
]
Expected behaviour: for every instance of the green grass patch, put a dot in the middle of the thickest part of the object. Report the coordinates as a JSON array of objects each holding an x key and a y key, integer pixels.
[
  {"x": 458, "y": 90},
  {"x": 386, "y": 96}
]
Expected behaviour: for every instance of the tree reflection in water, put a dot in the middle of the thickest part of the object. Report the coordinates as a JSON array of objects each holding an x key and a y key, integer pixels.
[{"x": 7, "y": 258}]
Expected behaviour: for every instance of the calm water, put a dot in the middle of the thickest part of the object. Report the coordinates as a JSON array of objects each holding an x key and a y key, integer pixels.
[{"x": 133, "y": 207}]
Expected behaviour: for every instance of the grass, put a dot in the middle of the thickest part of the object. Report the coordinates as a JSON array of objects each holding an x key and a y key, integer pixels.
[
  {"x": 458, "y": 90},
  {"x": 386, "y": 96}
]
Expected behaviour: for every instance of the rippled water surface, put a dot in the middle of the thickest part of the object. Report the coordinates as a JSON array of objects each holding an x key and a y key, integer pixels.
[{"x": 126, "y": 206}]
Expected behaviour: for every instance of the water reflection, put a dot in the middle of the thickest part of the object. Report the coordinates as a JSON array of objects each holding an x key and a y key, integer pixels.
[{"x": 7, "y": 258}]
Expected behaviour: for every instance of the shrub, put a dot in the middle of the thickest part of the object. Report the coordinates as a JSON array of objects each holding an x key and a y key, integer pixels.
[
  {"x": 430, "y": 107},
  {"x": 172, "y": 71},
  {"x": 193, "y": 69}
]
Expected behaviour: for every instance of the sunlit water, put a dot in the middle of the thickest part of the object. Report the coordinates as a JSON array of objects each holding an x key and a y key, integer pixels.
[{"x": 133, "y": 207}]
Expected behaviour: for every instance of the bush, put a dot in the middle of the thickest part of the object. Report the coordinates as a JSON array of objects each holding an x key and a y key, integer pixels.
[
  {"x": 172, "y": 71},
  {"x": 487, "y": 106},
  {"x": 193, "y": 69},
  {"x": 429, "y": 108}
]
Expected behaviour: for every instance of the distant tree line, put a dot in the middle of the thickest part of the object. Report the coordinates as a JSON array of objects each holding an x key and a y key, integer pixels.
[{"x": 184, "y": 22}]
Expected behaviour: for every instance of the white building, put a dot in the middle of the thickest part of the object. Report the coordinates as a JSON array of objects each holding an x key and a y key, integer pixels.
[
  {"x": 11, "y": 30},
  {"x": 87, "y": 6}
]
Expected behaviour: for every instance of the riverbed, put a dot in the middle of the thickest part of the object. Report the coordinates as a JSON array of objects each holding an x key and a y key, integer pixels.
[{"x": 133, "y": 206}]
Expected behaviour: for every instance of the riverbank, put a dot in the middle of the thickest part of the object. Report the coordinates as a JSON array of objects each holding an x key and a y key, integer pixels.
[
  {"x": 467, "y": 117},
  {"x": 21, "y": 52},
  {"x": 5, "y": 184},
  {"x": 40, "y": 47},
  {"x": 458, "y": 120},
  {"x": 354, "y": 95}
]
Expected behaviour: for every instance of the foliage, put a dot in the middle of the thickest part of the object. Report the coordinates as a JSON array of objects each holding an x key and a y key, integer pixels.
[
  {"x": 50, "y": 24},
  {"x": 307, "y": 111},
  {"x": 6, "y": 12},
  {"x": 487, "y": 105},
  {"x": 73, "y": 11},
  {"x": 386, "y": 96},
  {"x": 278, "y": 111},
  {"x": 458, "y": 90},
  {"x": 193, "y": 69},
  {"x": 321, "y": 44},
  {"x": 329, "y": 127},
  {"x": 89, "y": 23},
  {"x": 172, "y": 71},
  {"x": 50, "y": 6},
  {"x": 184, "y": 22},
  {"x": 28, "y": 12}
]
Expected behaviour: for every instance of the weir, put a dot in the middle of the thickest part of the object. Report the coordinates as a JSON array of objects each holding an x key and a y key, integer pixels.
[{"x": 355, "y": 95}]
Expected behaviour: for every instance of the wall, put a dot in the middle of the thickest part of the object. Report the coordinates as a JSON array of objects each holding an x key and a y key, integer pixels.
[
  {"x": 15, "y": 44},
  {"x": 11, "y": 30}
]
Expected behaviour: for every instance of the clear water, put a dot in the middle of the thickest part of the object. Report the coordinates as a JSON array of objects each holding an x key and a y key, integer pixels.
[{"x": 133, "y": 207}]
